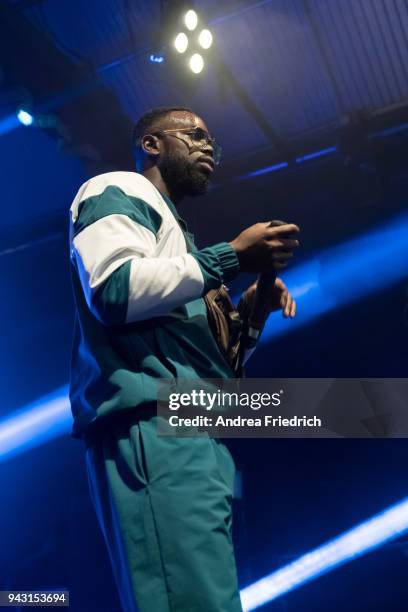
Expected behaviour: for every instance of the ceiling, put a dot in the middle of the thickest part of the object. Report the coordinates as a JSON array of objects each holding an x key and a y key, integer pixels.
[{"x": 282, "y": 70}]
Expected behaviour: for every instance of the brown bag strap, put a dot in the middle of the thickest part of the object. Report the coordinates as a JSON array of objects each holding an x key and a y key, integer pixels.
[
  {"x": 226, "y": 325},
  {"x": 224, "y": 319}
]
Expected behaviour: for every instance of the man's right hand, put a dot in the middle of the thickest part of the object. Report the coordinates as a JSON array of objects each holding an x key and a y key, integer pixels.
[{"x": 262, "y": 248}]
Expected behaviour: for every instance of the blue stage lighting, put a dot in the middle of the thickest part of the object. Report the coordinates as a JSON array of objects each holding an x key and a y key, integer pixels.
[
  {"x": 8, "y": 124},
  {"x": 396, "y": 129},
  {"x": 319, "y": 286},
  {"x": 359, "y": 540},
  {"x": 266, "y": 170},
  {"x": 156, "y": 59},
  {"x": 283, "y": 165},
  {"x": 24, "y": 117},
  {"x": 35, "y": 424},
  {"x": 315, "y": 154},
  {"x": 342, "y": 274}
]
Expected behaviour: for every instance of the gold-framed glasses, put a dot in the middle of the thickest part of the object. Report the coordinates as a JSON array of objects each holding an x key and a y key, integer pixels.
[{"x": 196, "y": 137}]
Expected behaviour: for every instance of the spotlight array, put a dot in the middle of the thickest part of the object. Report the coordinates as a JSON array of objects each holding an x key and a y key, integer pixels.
[{"x": 195, "y": 41}]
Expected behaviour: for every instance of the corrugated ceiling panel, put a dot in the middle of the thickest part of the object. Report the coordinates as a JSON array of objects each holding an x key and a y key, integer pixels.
[
  {"x": 142, "y": 85},
  {"x": 95, "y": 30},
  {"x": 367, "y": 47},
  {"x": 303, "y": 62},
  {"x": 272, "y": 52},
  {"x": 230, "y": 122},
  {"x": 101, "y": 34}
]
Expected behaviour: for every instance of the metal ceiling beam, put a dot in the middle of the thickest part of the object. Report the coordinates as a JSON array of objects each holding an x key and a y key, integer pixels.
[
  {"x": 240, "y": 11},
  {"x": 280, "y": 145}
]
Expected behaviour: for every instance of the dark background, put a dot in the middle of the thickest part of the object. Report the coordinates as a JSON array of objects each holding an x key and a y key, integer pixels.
[{"x": 286, "y": 78}]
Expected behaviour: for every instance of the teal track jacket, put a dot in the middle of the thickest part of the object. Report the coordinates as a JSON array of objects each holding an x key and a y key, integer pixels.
[{"x": 140, "y": 312}]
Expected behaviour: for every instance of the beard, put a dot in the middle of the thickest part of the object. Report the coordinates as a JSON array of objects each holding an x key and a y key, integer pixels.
[{"x": 182, "y": 176}]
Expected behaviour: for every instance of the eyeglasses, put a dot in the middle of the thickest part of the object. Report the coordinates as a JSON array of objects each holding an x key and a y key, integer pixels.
[{"x": 197, "y": 137}]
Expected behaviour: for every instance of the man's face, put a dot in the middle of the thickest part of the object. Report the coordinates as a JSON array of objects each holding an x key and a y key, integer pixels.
[{"x": 185, "y": 168}]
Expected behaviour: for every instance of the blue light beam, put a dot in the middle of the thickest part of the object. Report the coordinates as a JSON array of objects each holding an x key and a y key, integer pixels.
[
  {"x": 284, "y": 164},
  {"x": 343, "y": 274},
  {"x": 17, "y": 119},
  {"x": 338, "y": 276},
  {"x": 316, "y": 154},
  {"x": 365, "y": 537},
  {"x": 35, "y": 424},
  {"x": 266, "y": 170},
  {"x": 8, "y": 124}
]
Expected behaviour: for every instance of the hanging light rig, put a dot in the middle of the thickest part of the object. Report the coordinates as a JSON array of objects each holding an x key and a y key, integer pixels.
[{"x": 193, "y": 41}]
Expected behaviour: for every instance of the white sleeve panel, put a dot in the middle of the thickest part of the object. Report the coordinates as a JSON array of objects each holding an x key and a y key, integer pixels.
[
  {"x": 156, "y": 284},
  {"x": 107, "y": 244}
]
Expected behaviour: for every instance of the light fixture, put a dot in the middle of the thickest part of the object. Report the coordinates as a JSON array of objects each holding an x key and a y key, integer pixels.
[
  {"x": 196, "y": 44},
  {"x": 181, "y": 42},
  {"x": 205, "y": 39},
  {"x": 42, "y": 420},
  {"x": 156, "y": 59},
  {"x": 350, "y": 545},
  {"x": 196, "y": 63},
  {"x": 24, "y": 117},
  {"x": 319, "y": 284}
]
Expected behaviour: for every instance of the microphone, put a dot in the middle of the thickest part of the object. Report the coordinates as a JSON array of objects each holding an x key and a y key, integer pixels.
[{"x": 265, "y": 287}]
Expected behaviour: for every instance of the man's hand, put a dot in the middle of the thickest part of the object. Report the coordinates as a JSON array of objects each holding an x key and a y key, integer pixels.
[
  {"x": 279, "y": 299},
  {"x": 265, "y": 247}
]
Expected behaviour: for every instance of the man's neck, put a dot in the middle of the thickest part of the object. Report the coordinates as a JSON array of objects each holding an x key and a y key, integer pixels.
[{"x": 154, "y": 176}]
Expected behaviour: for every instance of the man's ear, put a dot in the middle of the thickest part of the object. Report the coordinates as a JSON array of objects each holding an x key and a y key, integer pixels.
[{"x": 150, "y": 144}]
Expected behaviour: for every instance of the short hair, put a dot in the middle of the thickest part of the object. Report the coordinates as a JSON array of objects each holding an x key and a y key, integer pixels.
[{"x": 145, "y": 123}]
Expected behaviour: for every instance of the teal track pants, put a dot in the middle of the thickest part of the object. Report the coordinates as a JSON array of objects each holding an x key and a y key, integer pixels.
[{"x": 164, "y": 505}]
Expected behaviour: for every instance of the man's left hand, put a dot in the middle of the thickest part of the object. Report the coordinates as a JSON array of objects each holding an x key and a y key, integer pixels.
[{"x": 279, "y": 298}]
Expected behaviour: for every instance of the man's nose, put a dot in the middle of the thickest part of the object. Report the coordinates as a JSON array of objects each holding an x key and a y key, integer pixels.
[{"x": 209, "y": 149}]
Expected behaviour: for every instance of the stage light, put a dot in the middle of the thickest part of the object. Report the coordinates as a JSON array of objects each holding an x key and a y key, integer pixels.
[
  {"x": 322, "y": 284},
  {"x": 181, "y": 42},
  {"x": 196, "y": 63},
  {"x": 24, "y": 117},
  {"x": 191, "y": 20},
  {"x": 315, "y": 154},
  {"x": 205, "y": 39},
  {"x": 196, "y": 44},
  {"x": 372, "y": 533},
  {"x": 9, "y": 124},
  {"x": 47, "y": 418},
  {"x": 396, "y": 129},
  {"x": 266, "y": 170},
  {"x": 156, "y": 59}
]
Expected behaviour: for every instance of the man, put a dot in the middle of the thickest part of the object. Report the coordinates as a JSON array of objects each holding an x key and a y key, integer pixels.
[{"x": 164, "y": 504}]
